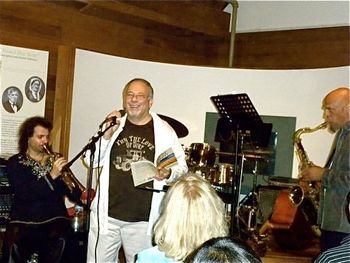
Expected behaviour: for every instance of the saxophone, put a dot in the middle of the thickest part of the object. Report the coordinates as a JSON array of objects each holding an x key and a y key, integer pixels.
[{"x": 313, "y": 192}]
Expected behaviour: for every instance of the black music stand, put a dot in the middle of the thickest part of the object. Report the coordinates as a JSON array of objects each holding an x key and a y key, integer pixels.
[{"x": 239, "y": 119}]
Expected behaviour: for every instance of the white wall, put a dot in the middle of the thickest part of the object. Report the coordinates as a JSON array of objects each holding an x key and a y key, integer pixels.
[
  {"x": 183, "y": 92},
  {"x": 254, "y": 16}
]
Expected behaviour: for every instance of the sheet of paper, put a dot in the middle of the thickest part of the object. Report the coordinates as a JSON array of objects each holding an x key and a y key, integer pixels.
[{"x": 142, "y": 172}]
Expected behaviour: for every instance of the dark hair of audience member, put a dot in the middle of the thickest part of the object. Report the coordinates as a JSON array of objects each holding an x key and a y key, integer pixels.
[{"x": 223, "y": 250}]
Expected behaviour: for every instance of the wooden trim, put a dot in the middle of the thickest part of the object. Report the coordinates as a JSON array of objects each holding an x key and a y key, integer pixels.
[
  {"x": 63, "y": 99},
  {"x": 169, "y": 15}
]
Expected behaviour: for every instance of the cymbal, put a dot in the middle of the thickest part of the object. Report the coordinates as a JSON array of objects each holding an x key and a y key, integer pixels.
[
  {"x": 179, "y": 128},
  {"x": 252, "y": 156}
]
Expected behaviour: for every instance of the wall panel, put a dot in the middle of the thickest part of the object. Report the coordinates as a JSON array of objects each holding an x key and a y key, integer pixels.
[{"x": 47, "y": 25}]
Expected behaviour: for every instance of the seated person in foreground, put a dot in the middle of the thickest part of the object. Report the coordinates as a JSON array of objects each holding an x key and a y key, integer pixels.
[
  {"x": 191, "y": 213},
  {"x": 223, "y": 250},
  {"x": 338, "y": 254}
]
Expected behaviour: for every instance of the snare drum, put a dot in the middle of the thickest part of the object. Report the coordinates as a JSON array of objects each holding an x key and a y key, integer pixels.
[
  {"x": 201, "y": 155},
  {"x": 222, "y": 175}
]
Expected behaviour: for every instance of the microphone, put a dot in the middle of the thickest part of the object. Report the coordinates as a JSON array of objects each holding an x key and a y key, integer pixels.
[{"x": 112, "y": 119}]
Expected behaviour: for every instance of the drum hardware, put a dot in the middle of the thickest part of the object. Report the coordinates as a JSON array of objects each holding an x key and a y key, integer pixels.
[
  {"x": 221, "y": 174},
  {"x": 245, "y": 155},
  {"x": 248, "y": 214},
  {"x": 201, "y": 155},
  {"x": 257, "y": 151},
  {"x": 258, "y": 243},
  {"x": 201, "y": 160},
  {"x": 283, "y": 181},
  {"x": 239, "y": 118},
  {"x": 249, "y": 217},
  {"x": 78, "y": 221}
]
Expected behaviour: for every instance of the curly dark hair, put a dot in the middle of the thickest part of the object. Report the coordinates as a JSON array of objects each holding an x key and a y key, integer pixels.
[{"x": 27, "y": 130}]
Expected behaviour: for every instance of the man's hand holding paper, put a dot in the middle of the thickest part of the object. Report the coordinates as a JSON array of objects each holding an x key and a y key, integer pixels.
[{"x": 144, "y": 171}]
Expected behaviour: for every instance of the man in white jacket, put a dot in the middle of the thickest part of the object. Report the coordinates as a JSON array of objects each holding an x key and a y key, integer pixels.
[{"x": 122, "y": 215}]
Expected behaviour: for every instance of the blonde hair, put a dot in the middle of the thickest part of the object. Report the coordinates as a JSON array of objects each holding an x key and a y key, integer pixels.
[{"x": 192, "y": 213}]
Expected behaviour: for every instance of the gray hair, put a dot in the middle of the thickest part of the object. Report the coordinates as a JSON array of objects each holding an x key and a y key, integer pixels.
[{"x": 147, "y": 83}]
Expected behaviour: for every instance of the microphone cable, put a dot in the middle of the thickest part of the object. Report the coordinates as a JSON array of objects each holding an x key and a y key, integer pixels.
[{"x": 98, "y": 198}]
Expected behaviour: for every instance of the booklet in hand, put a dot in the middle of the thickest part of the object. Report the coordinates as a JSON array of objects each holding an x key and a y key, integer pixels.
[{"x": 144, "y": 171}]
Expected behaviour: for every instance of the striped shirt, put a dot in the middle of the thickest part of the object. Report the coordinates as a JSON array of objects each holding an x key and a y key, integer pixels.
[{"x": 338, "y": 254}]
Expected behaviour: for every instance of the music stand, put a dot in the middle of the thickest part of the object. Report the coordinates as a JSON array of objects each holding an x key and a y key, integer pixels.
[
  {"x": 238, "y": 115},
  {"x": 236, "y": 106}
]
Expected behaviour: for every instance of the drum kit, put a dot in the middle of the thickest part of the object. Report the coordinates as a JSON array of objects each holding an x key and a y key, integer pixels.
[
  {"x": 201, "y": 159},
  {"x": 225, "y": 179},
  {"x": 246, "y": 148}
]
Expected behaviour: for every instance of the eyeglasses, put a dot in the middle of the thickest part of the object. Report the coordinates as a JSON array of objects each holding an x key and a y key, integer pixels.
[{"x": 130, "y": 96}]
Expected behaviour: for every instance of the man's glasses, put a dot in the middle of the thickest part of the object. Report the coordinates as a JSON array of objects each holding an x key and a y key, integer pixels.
[{"x": 130, "y": 96}]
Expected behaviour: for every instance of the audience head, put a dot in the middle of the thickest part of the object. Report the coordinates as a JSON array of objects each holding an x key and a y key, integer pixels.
[
  {"x": 223, "y": 250},
  {"x": 192, "y": 213}
]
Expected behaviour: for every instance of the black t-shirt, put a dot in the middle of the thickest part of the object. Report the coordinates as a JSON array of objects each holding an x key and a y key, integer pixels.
[{"x": 134, "y": 143}]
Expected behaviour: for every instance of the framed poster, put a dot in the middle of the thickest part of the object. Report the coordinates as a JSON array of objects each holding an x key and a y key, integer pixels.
[{"x": 23, "y": 75}]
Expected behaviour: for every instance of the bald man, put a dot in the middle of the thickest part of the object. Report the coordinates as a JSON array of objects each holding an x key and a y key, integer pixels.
[{"x": 335, "y": 177}]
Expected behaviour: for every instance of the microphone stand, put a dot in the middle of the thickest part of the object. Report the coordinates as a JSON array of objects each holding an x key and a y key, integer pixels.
[{"x": 92, "y": 147}]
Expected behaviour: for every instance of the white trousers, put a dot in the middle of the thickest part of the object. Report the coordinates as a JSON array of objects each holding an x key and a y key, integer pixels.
[{"x": 131, "y": 235}]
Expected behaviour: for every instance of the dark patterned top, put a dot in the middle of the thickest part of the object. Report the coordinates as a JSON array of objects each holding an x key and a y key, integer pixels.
[{"x": 37, "y": 197}]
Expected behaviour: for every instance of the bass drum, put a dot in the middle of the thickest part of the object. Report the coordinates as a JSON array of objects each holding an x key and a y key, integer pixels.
[{"x": 201, "y": 155}]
